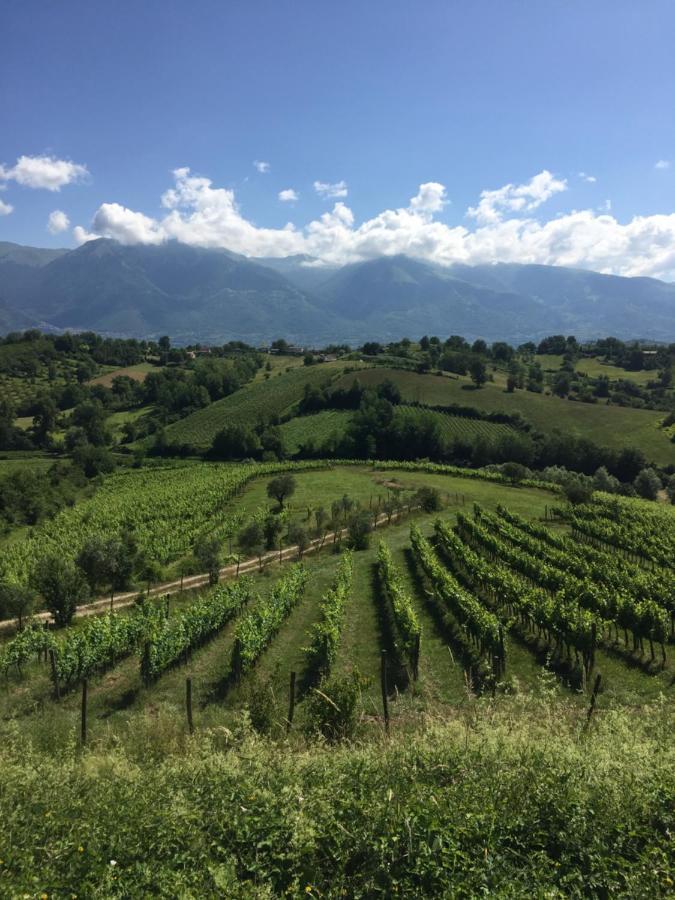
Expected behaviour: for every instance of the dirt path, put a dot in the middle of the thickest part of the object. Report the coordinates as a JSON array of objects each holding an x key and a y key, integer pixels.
[{"x": 120, "y": 601}]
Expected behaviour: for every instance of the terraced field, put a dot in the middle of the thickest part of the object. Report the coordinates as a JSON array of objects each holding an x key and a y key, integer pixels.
[
  {"x": 609, "y": 426},
  {"x": 258, "y": 401}
]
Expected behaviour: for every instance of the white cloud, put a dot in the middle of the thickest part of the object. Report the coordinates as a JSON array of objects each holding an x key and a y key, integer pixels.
[
  {"x": 5, "y": 208},
  {"x": 58, "y": 221},
  {"x": 288, "y": 195},
  {"x": 662, "y": 164},
  {"x": 44, "y": 172},
  {"x": 327, "y": 191},
  {"x": 262, "y": 167},
  {"x": 429, "y": 199},
  {"x": 203, "y": 215},
  {"x": 591, "y": 179},
  {"x": 516, "y": 198}
]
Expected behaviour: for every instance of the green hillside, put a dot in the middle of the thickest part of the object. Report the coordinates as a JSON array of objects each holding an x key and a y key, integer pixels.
[
  {"x": 275, "y": 396},
  {"x": 609, "y": 426}
]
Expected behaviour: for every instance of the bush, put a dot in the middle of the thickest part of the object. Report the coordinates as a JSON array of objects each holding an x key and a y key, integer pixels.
[
  {"x": 332, "y": 707},
  {"x": 429, "y": 499},
  {"x": 578, "y": 491}
]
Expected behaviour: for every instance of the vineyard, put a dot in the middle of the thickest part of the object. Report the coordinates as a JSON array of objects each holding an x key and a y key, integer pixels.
[
  {"x": 501, "y": 594},
  {"x": 259, "y": 401}
]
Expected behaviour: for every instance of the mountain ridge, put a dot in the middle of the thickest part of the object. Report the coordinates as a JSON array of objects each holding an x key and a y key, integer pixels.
[{"x": 211, "y": 294}]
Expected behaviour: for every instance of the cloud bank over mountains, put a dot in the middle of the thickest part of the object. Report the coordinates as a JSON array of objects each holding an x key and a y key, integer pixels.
[
  {"x": 501, "y": 227},
  {"x": 505, "y": 225}
]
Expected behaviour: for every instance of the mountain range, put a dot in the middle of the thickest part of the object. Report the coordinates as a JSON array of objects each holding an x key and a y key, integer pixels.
[{"x": 213, "y": 295}]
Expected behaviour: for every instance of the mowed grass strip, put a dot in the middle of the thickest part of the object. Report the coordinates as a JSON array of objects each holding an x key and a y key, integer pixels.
[
  {"x": 609, "y": 426},
  {"x": 256, "y": 401}
]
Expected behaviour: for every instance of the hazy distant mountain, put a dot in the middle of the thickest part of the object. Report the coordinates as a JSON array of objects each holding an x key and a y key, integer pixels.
[
  {"x": 197, "y": 294},
  {"x": 188, "y": 292}
]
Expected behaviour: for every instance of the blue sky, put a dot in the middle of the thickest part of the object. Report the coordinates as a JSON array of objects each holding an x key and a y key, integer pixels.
[{"x": 383, "y": 96}]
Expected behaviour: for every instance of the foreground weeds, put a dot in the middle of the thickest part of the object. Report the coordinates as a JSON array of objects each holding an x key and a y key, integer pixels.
[{"x": 509, "y": 798}]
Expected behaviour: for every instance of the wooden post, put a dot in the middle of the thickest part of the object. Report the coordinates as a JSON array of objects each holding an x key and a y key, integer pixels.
[
  {"x": 112, "y": 598},
  {"x": 291, "y": 703},
  {"x": 55, "y": 677},
  {"x": 181, "y": 579},
  {"x": 83, "y": 716},
  {"x": 188, "y": 704},
  {"x": 383, "y": 684},
  {"x": 594, "y": 696},
  {"x": 416, "y": 657}
]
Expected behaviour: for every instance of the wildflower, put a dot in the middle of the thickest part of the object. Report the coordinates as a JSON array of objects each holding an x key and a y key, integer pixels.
[
  {"x": 113, "y": 862},
  {"x": 80, "y": 849}
]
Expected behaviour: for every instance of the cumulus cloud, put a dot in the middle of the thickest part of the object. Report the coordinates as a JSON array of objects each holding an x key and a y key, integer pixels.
[
  {"x": 58, "y": 221},
  {"x": 44, "y": 172},
  {"x": 262, "y": 167},
  {"x": 288, "y": 195},
  {"x": 331, "y": 191},
  {"x": 516, "y": 198},
  {"x": 591, "y": 179},
  {"x": 5, "y": 208},
  {"x": 662, "y": 164},
  {"x": 198, "y": 213}
]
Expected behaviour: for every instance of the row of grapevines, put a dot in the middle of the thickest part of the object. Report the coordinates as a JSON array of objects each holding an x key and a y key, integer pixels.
[
  {"x": 326, "y": 632},
  {"x": 634, "y": 538},
  {"x": 254, "y": 632},
  {"x": 172, "y": 639},
  {"x": 481, "y": 625},
  {"x": 102, "y": 642},
  {"x": 644, "y": 618},
  {"x": 658, "y": 586},
  {"x": 398, "y": 608},
  {"x": 31, "y": 642},
  {"x": 552, "y": 616}
]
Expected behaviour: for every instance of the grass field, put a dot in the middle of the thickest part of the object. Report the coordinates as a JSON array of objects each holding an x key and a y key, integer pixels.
[
  {"x": 278, "y": 364},
  {"x": 275, "y": 396},
  {"x": 139, "y": 372},
  {"x": 595, "y": 367},
  {"x": 610, "y": 426}
]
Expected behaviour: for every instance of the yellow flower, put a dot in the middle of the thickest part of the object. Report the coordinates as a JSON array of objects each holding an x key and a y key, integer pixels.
[{"x": 80, "y": 849}]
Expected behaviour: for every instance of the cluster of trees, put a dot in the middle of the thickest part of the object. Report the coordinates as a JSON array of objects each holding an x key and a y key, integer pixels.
[
  {"x": 28, "y": 496},
  {"x": 379, "y": 429}
]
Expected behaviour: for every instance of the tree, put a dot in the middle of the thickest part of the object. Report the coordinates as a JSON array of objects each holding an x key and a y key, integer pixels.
[
  {"x": 16, "y": 601},
  {"x": 514, "y": 472},
  {"x": 272, "y": 527},
  {"x": 648, "y": 484},
  {"x": 578, "y": 490},
  {"x": 358, "y": 530},
  {"x": 251, "y": 540},
  {"x": 280, "y": 488},
  {"x": 62, "y": 584},
  {"x": 603, "y": 481},
  {"x": 297, "y": 536},
  {"x": 207, "y": 552},
  {"x": 561, "y": 385},
  {"x": 478, "y": 372},
  {"x": 164, "y": 344},
  {"x": 99, "y": 559}
]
